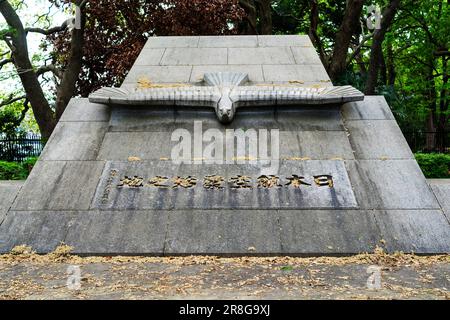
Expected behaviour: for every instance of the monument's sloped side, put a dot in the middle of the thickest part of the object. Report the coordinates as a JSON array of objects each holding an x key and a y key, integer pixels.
[
  {"x": 441, "y": 189},
  {"x": 346, "y": 181}
]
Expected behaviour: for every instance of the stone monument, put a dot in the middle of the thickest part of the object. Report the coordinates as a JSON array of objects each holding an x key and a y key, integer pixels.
[{"x": 236, "y": 145}]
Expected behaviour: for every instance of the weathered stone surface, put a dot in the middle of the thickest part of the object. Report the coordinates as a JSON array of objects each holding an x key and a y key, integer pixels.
[
  {"x": 299, "y": 73},
  {"x": 110, "y": 195},
  {"x": 155, "y": 145},
  {"x": 328, "y": 232},
  {"x": 423, "y": 231},
  {"x": 75, "y": 141},
  {"x": 254, "y": 71},
  {"x": 43, "y": 231},
  {"x": 229, "y": 53},
  {"x": 356, "y": 231},
  {"x": 59, "y": 185},
  {"x": 144, "y": 145},
  {"x": 249, "y": 56},
  {"x": 172, "y": 42},
  {"x": 309, "y": 119},
  {"x": 88, "y": 232},
  {"x": 391, "y": 184},
  {"x": 194, "y": 56},
  {"x": 378, "y": 139},
  {"x": 284, "y": 41},
  {"x": 81, "y": 110},
  {"x": 159, "y": 74},
  {"x": 228, "y": 42},
  {"x": 305, "y": 144},
  {"x": 305, "y": 55},
  {"x": 223, "y": 232},
  {"x": 226, "y": 232},
  {"x": 441, "y": 189},
  {"x": 8, "y": 192},
  {"x": 149, "y": 57},
  {"x": 284, "y": 118},
  {"x": 372, "y": 108},
  {"x": 118, "y": 232}
]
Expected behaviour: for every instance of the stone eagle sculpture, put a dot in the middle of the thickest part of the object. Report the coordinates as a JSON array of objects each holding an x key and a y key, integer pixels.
[{"x": 225, "y": 92}]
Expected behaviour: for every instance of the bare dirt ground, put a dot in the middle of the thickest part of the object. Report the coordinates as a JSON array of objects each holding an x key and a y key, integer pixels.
[{"x": 25, "y": 275}]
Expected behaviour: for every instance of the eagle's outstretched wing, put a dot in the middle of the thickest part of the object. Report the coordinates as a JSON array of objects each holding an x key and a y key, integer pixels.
[
  {"x": 186, "y": 96},
  {"x": 289, "y": 95}
]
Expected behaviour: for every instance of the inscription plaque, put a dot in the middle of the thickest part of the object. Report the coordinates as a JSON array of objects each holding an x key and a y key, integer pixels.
[{"x": 149, "y": 185}]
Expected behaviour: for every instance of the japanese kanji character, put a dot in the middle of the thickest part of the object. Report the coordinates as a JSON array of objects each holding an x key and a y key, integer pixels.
[
  {"x": 135, "y": 182},
  {"x": 213, "y": 182},
  {"x": 297, "y": 181},
  {"x": 324, "y": 180},
  {"x": 268, "y": 182},
  {"x": 159, "y": 182},
  {"x": 188, "y": 182},
  {"x": 240, "y": 182}
]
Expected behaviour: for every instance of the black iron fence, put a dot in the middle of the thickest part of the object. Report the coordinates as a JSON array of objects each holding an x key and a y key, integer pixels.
[
  {"x": 427, "y": 142},
  {"x": 20, "y": 148}
]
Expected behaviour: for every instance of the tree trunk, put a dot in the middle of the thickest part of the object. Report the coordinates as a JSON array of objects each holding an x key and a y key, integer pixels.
[
  {"x": 430, "y": 143},
  {"x": 313, "y": 25},
  {"x": 72, "y": 72},
  {"x": 390, "y": 65},
  {"x": 265, "y": 16},
  {"x": 376, "y": 52},
  {"x": 430, "y": 136},
  {"x": 350, "y": 24},
  {"x": 443, "y": 105},
  {"x": 250, "y": 9},
  {"x": 383, "y": 68},
  {"x": 19, "y": 49}
]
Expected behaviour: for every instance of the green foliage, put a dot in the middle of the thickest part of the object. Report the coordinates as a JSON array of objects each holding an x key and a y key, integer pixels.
[
  {"x": 29, "y": 163},
  {"x": 12, "y": 171},
  {"x": 434, "y": 165},
  {"x": 12, "y": 120},
  {"x": 16, "y": 171},
  {"x": 355, "y": 79},
  {"x": 9, "y": 120}
]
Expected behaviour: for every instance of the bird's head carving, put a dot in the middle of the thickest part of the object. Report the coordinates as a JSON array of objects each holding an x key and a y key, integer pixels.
[{"x": 225, "y": 108}]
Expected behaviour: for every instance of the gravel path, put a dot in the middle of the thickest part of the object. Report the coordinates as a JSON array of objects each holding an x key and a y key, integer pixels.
[{"x": 29, "y": 276}]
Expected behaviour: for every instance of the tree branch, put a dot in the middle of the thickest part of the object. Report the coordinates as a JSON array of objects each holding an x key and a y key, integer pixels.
[
  {"x": 47, "y": 32},
  {"x": 26, "y": 107},
  {"x": 442, "y": 53},
  {"x": 49, "y": 68},
  {"x": 5, "y": 53},
  {"x": 358, "y": 48},
  {"x": 11, "y": 99},
  {"x": 4, "y": 62},
  {"x": 83, "y": 4}
]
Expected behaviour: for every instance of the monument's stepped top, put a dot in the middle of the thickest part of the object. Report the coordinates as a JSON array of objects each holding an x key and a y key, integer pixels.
[
  {"x": 346, "y": 181},
  {"x": 265, "y": 59}
]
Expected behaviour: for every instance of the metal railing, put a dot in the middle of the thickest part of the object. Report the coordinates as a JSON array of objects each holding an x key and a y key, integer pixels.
[
  {"x": 428, "y": 142},
  {"x": 19, "y": 149}
]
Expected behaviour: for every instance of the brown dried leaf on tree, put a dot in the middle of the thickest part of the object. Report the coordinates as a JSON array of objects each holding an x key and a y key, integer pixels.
[{"x": 116, "y": 32}]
